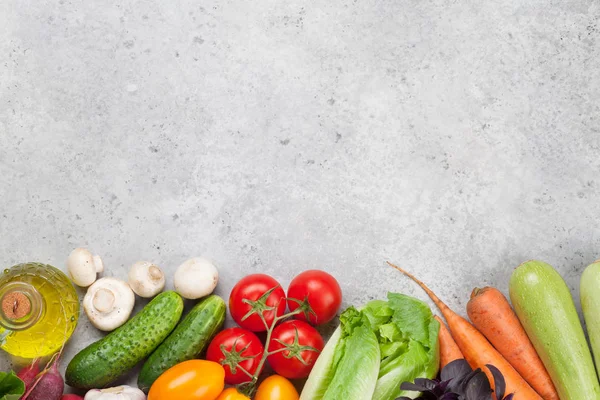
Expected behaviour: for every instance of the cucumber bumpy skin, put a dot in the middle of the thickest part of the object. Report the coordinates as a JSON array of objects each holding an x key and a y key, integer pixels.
[
  {"x": 104, "y": 361},
  {"x": 544, "y": 305},
  {"x": 187, "y": 341}
]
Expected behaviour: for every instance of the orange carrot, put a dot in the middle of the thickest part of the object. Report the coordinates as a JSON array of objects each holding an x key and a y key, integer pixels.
[
  {"x": 477, "y": 350},
  {"x": 491, "y": 313},
  {"x": 449, "y": 350}
]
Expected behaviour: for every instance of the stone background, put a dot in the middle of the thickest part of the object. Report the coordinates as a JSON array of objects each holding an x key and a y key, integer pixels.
[{"x": 457, "y": 139}]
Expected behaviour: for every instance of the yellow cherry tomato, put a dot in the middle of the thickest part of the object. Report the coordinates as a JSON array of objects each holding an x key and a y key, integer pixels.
[
  {"x": 232, "y": 394},
  {"x": 189, "y": 380},
  {"x": 276, "y": 387}
]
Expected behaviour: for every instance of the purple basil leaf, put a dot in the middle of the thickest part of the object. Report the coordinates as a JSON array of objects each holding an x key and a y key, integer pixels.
[
  {"x": 450, "y": 396},
  {"x": 403, "y": 398},
  {"x": 428, "y": 396},
  {"x": 459, "y": 385},
  {"x": 455, "y": 369},
  {"x": 443, "y": 386},
  {"x": 509, "y": 397},
  {"x": 499, "y": 382},
  {"x": 478, "y": 387},
  {"x": 426, "y": 383}
]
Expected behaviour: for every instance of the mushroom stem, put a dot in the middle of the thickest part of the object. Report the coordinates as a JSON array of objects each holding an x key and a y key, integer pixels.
[
  {"x": 155, "y": 273},
  {"x": 104, "y": 300},
  {"x": 108, "y": 303},
  {"x": 146, "y": 279},
  {"x": 98, "y": 264}
]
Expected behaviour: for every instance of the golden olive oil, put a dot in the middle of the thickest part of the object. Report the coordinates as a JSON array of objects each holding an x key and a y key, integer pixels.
[{"x": 39, "y": 310}]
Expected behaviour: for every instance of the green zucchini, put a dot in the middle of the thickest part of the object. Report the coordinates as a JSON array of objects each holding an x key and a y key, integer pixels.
[
  {"x": 106, "y": 360},
  {"x": 590, "y": 304},
  {"x": 545, "y": 307},
  {"x": 187, "y": 341}
]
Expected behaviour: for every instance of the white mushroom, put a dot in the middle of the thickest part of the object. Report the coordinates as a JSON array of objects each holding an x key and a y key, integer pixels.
[
  {"x": 146, "y": 279},
  {"x": 82, "y": 267},
  {"x": 116, "y": 393},
  {"x": 195, "y": 278},
  {"x": 108, "y": 303}
]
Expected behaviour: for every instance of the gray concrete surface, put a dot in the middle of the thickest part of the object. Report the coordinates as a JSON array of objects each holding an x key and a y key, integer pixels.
[{"x": 455, "y": 138}]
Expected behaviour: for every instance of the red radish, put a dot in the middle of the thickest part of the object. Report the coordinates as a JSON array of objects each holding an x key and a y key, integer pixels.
[
  {"x": 71, "y": 397},
  {"x": 28, "y": 374},
  {"x": 49, "y": 385}
]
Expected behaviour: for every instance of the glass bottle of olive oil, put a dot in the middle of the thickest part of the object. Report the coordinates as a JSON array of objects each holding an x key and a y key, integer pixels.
[{"x": 39, "y": 310}]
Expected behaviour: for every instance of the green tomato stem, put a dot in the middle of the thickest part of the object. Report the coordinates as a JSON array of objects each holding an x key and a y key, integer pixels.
[{"x": 270, "y": 329}]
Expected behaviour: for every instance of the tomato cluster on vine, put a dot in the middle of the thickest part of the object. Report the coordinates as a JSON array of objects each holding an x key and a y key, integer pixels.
[{"x": 258, "y": 304}]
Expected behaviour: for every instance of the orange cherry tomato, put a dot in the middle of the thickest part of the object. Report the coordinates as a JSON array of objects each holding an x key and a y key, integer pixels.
[
  {"x": 189, "y": 380},
  {"x": 276, "y": 387},
  {"x": 232, "y": 394}
]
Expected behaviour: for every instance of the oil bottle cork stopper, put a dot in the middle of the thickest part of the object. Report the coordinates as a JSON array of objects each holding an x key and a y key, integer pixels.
[{"x": 16, "y": 305}]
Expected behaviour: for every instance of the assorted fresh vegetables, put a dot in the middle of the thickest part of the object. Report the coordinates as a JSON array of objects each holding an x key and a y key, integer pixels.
[
  {"x": 459, "y": 381},
  {"x": 393, "y": 349},
  {"x": 106, "y": 360},
  {"x": 188, "y": 340},
  {"x": 545, "y": 307},
  {"x": 477, "y": 350},
  {"x": 375, "y": 350},
  {"x": 492, "y": 315}
]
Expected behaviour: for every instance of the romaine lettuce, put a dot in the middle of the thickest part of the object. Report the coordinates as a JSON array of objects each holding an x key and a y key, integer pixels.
[{"x": 374, "y": 350}]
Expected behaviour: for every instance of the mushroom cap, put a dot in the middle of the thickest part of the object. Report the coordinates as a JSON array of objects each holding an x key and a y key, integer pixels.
[
  {"x": 83, "y": 267},
  {"x": 108, "y": 303},
  {"x": 116, "y": 393},
  {"x": 146, "y": 279},
  {"x": 196, "y": 278}
]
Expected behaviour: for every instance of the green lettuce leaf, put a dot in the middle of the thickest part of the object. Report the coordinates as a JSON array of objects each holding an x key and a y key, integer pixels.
[
  {"x": 356, "y": 373},
  {"x": 420, "y": 358},
  {"x": 11, "y": 387},
  {"x": 322, "y": 372},
  {"x": 374, "y": 350},
  {"x": 412, "y": 316},
  {"x": 418, "y": 362}
]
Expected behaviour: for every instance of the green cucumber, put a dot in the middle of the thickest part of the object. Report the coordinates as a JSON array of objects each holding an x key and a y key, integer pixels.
[
  {"x": 187, "y": 341},
  {"x": 590, "y": 304},
  {"x": 106, "y": 360},
  {"x": 545, "y": 307}
]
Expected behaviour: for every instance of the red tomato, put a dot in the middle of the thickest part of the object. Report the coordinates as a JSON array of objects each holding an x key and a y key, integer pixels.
[
  {"x": 235, "y": 347},
  {"x": 255, "y": 294},
  {"x": 303, "y": 343},
  {"x": 319, "y": 295}
]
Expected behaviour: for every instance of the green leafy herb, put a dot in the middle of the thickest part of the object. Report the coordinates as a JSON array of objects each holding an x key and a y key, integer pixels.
[
  {"x": 459, "y": 382},
  {"x": 11, "y": 387}
]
